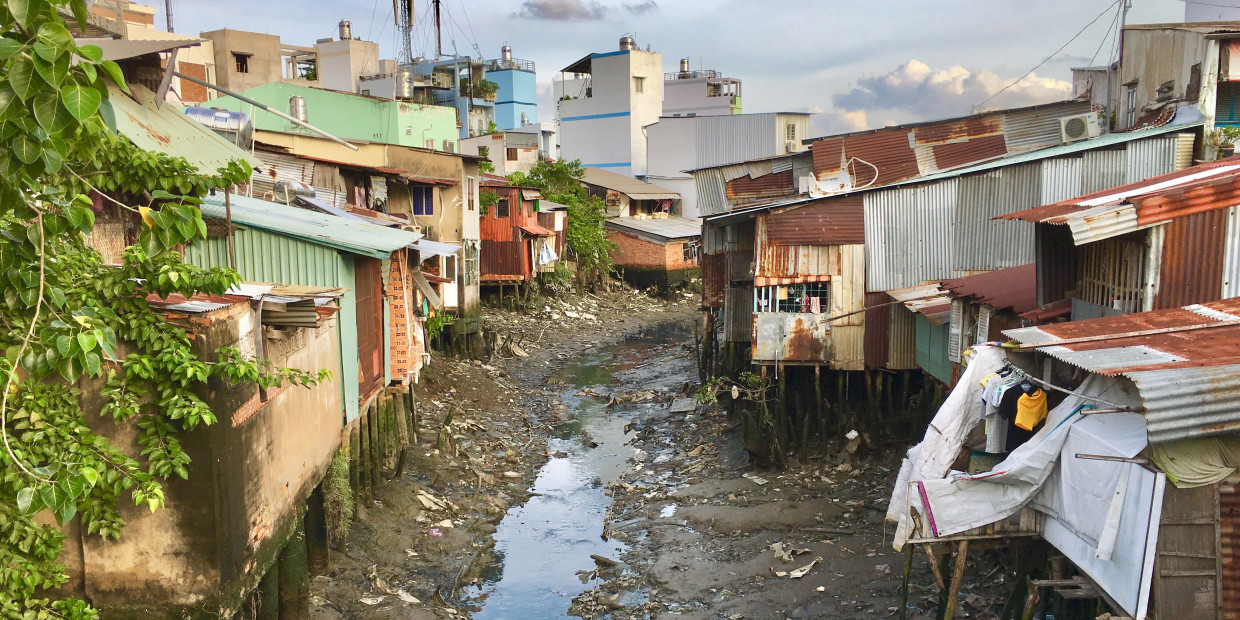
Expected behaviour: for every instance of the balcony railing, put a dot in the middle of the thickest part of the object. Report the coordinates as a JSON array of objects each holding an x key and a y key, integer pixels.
[
  {"x": 691, "y": 75},
  {"x": 515, "y": 63}
]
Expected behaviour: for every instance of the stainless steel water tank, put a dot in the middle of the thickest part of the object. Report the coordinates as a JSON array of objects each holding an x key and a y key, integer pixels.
[{"x": 297, "y": 108}]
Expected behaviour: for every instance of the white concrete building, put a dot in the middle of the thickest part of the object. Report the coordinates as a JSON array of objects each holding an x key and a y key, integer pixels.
[
  {"x": 514, "y": 150},
  {"x": 681, "y": 143},
  {"x": 604, "y": 102},
  {"x": 701, "y": 92}
]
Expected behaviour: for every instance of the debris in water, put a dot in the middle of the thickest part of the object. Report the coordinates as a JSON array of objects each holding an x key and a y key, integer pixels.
[
  {"x": 407, "y": 597},
  {"x": 434, "y": 533},
  {"x": 804, "y": 570},
  {"x": 754, "y": 478},
  {"x": 371, "y": 600},
  {"x": 668, "y": 511}
]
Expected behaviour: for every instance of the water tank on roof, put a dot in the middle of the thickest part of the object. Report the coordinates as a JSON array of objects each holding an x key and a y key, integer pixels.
[
  {"x": 232, "y": 126},
  {"x": 297, "y": 108},
  {"x": 285, "y": 190},
  {"x": 404, "y": 84},
  {"x": 346, "y": 30},
  {"x": 684, "y": 66},
  {"x": 505, "y": 54},
  {"x": 627, "y": 43}
]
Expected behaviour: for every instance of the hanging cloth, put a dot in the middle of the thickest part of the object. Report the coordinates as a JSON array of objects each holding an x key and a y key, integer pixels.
[{"x": 1031, "y": 410}]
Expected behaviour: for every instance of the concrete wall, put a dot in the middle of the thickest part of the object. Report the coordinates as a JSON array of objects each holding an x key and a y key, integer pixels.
[
  {"x": 1153, "y": 57},
  {"x": 605, "y": 129},
  {"x": 251, "y": 473},
  {"x": 265, "y": 64},
  {"x": 689, "y": 97},
  {"x": 351, "y": 116},
  {"x": 342, "y": 62},
  {"x": 518, "y": 92},
  {"x": 497, "y": 145}
]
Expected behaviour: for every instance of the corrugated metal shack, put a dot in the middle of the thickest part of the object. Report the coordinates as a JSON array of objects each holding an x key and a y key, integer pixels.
[
  {"x": 1159, "y": 243},
  {"x": 1185, "y": 366},
  {"x": 512, "y": 238},
  {"x": 288, "y": 245}
]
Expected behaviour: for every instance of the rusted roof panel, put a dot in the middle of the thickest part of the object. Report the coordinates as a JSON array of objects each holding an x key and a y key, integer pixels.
[
  {"x": 827, "y": 155},
  {"x": 1015, "y": 288},
  {"x": 976, "y": 150},
  {"x": 829, "y": 221},
  {"x": 929, "y": 300},
  {"x": 1188, "y": 373},
  {"x": 886, "y": 149},
  {"x": 746, "y": 189},
  {"x": 959, "y": 130}
]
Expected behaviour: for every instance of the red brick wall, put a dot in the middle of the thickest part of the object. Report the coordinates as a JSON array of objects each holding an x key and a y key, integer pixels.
[
  {"x": 676, "y": 256},
  {"x": 634, "y": 252},
  {"x": 191, "y": 92}
]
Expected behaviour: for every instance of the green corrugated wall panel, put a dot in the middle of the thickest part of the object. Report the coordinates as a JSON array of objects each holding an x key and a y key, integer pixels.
[
  {"x": 932, "y": 349},
  {"x": 265, "y": 257}
]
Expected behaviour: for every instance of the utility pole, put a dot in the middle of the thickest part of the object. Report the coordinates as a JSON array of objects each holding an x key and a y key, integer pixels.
[
  {"x": 438, "y": 40},
  {"x": 168, "y": 13}
]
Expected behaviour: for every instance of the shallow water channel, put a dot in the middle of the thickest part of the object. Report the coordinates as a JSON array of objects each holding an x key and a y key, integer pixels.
[{"x": 541, "y": 545}]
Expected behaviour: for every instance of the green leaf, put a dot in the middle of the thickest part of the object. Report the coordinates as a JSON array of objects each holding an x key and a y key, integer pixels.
[
  {"x": 57, "y": 295},
  {"x": 26, "y": 149},
  {"x": 114, "y": 73},
  {"x": 21, "y": 77},
  {"x": 89, "y": 475},
  {"x": 24, "y": 498},
  {"x": 52, "y": 72},
  {"x": 7, "y": 97},
  {"x": 21, "y": 11},
  {"x": 63, "y": 344},
  {"x": 86, "y": 340},
  {"x": 93, "y": 364},
  {"x": 81, "y": 217},
  {"x": 108, "y": 115},
  {"x": 9, "y": 48},
  {"x": 45, "y": 104},
  {"x": 44, "y": 51},
  {"x": 81, "y": 101},
  {"x": 56, "y": 35},
  {"x": 80, "y": 13},
  {"x": 91, "y": 52}
]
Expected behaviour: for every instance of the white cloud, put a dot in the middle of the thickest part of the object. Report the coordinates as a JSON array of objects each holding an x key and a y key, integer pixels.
[{"x": 562, "y": 10}]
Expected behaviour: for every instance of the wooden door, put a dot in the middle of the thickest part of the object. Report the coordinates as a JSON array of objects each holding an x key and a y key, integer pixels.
[{"x": 369, "y": 287}]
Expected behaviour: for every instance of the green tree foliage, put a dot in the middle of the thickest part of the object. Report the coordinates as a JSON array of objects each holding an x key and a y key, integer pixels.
[
  {"x": 487, "y": 198},
  {"x": 70, "y": 323},
  {"x": 560, "y": 182}
]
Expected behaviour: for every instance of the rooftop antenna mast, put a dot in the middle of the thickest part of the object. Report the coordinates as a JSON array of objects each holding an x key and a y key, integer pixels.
[
  {"x": 168, "y": 13},
  {"x": 438, "y": 35},
  {"x": 403, "y": 9}
]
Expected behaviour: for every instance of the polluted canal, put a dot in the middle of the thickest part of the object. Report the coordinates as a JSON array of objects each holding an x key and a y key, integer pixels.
[{"x": 547, "y": 550}]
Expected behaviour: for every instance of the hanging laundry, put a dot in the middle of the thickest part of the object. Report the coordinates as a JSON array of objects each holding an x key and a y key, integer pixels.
[
  {"x": 1031, "y": 409},
  {"x": 815, "y": 305},
  {"x": 996, "y": 433}
]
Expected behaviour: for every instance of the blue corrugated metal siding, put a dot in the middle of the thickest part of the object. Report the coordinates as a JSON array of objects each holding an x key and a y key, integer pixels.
[{"x": 267, "y": 257}]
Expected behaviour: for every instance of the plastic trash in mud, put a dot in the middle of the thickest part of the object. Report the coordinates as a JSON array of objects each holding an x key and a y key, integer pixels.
[
  {"x": 434, "y": 532},
  {"x": 754, "y": 478}
]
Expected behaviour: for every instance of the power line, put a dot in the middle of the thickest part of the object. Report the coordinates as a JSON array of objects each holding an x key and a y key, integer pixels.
[
  {"x": 1053, "y": 54},
  {"x": 1106, "y": 35},
  {"x": 371, "y": 28}
]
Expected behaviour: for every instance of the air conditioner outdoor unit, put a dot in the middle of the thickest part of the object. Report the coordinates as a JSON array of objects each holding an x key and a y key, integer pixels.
[
  {"x": 790, "y": 146},
  {"x": 1079, "y": 127},
  {"x": 413, "y": 228}
]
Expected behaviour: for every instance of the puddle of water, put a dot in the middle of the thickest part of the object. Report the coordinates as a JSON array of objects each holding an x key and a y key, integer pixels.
[{"x": 541, "y": 545}]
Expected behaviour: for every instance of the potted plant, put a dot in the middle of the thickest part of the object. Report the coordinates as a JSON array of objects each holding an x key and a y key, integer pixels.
[{"x": 1224, "y": 139}]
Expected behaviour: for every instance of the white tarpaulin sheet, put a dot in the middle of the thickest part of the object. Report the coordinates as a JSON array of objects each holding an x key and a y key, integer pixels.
[{"x": 932, "y": 458}]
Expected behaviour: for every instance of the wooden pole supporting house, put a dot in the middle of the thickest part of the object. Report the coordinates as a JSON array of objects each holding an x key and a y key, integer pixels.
[
  {"x": 355, "y": 449},
  {"x": 372, "y": 416},
  {"x": 908, "y": 568},
  {"x": 363, "y": 456},
  {"x": 413, "y": 416},
  {"x": 268, "y": 599},
  {"x": 953, "y": 593},
  {"x": 935, "y": 568},
  {"x": 294, "y": 577}
]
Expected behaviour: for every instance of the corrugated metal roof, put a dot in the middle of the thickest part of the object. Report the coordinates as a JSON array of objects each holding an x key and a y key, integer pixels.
[
  {"x": 197, "y": 304},
  {"x": 633, "y": 188},
  {"x": 929, "y": 300},
  {"x": 139, "y": 41},
  {"x": 1188, "y": 379},
  {"x": 319, "y": 228},
  {"x": 824, "y": 222},
  {"x": 166, "y": 130},
  {"x": 1015, "y": 288},
  {"x": 536, "y": 230},
  {"x": 671, "y": 227},
  {"x": 1127, "y": 208}
]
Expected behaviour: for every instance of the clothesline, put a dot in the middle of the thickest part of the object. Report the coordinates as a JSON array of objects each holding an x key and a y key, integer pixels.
[{"x": 1049, "y": 385}]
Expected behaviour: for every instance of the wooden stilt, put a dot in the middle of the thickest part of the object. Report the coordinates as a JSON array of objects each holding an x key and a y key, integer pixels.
[
  {"x": 962, "y": 554},
  {"x": 908, "y": 568}
]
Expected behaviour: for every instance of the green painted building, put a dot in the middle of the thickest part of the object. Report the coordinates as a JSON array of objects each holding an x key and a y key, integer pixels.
[{"x": 351, "y": 116}]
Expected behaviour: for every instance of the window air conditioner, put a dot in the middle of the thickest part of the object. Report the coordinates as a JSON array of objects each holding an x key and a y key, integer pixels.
[
  {"x": 1079, "y": 127},
  {"x": 790, "y": 146}
]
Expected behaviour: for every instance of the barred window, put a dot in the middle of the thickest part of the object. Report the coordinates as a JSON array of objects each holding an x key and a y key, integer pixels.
[{"x": 811, "y": 297}]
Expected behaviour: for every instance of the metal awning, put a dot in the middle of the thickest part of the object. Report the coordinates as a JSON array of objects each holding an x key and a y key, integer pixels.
[
  {"x": 427, "y": 290},
  {"x": 531, "y": 194},
  {"x": 428, "y": 248},
  {"x": 536, "y": 230},
  {"x": 139, "y": 42},
  {"x": 167, "y": 130}
]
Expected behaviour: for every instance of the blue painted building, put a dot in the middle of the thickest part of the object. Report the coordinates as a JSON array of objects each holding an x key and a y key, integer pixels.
[{"x": 513, "y": 103}]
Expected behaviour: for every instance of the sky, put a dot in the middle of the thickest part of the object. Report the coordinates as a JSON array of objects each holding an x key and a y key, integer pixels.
[{"x": 854, "y": 64}]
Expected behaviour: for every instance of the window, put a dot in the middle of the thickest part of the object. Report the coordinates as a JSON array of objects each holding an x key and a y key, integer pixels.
[
  {"x": 242, "y": 60},
  {"x": 449, "y": 146},
  {"x": 430, "y": 144},
  {"x": 469, "y": 189},
  {"x": 790, "y": 132},
  {"x": 501, "y": 208},
  {"x": 639, "y": 84},
  {"x": 810, "y": 298},
  {"x": 423, "y": 199},
  {"x": 471, "y": 273},
  {"x": 512, "y": 154},
  {"x": 689, "y": 252},
  {"x": 449, "y": 267},
  {"x": 1132, "y": 105}
]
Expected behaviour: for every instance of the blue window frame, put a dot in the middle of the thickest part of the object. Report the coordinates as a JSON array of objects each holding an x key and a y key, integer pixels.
[{"x": 423, "y": 199}]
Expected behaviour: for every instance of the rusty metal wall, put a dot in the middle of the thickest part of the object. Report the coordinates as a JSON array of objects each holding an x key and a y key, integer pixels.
[
  {"x": 1229, "y": 545},
  {"x": 791, "y": 337},
  {"x": 982, "y": 243},
  {"x": 714, "y": 237},
  {"x": 829, "y": 221},
  {"x": 747, "y": 189},
  {"x": 902, "y": 339},
  {"x": 1192, "y": 260},
  {"x": 738, "y": 314},
  {"x": 976, "y": 150},
  {"x": 714, "y": 279},
  {"x": 877, "y": 329},
  {"x": 908, "y": 235},
  {"x": 502, "y": 258},
  {"x": 1102, "y": 170}
]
